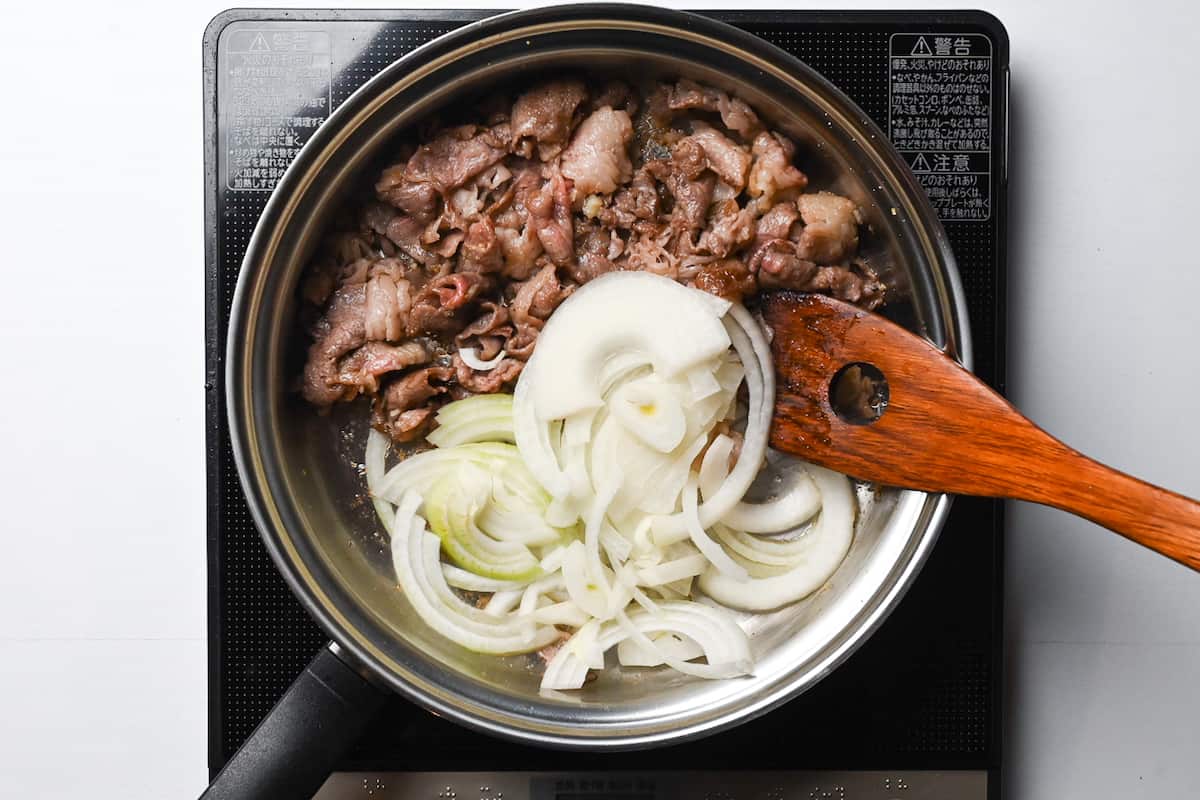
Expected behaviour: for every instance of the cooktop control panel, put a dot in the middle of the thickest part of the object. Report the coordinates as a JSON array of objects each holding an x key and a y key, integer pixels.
[{"x": 822, "y": 785}]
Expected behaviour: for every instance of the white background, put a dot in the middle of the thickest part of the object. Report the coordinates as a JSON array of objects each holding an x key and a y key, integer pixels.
[{"x": 102, "y": 649}]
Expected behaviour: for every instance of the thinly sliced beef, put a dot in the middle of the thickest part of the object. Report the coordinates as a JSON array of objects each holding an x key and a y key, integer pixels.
[
  {"x": 648, "y": 252},
  {"x": 545, "y": 111},
  {"x": 520, "y": 249},
  {"x": 388, "y": 299},
  {"x": 359, "y": 372},
  {"x": 550, "y": 213},
  {"x": 616, "y": 94},
  {"x": 777, "y": 222},
  {"x": 417, "y": 199},
  {"x": 481, "y": 249},
  {"x": 537, "y": 297},
  {"x": 730, "y": 228},
  {"x": 723, "y": 155},
  {"x": 402, "y": 410},
  {"x": 773, "y": 171},
  {"x": 406, "y": 233},
  {"x": 440, "y": 305},
  {"x": 684, "y": 176},
  {"x": 735, "y": 114},
  {"x": 729, "y": 278},
  {"x": 830, "y": 228},
  {"x": 499, "y": 377},
  {"x": 340, "y": 329},
  {"x": 846, "y": 284},
  {"x": 473, "y": 238},
  {"x": 637, "y": 201},
  {"x": 487, "y": 334},
  {"x": 597, "y": 159},
  {"x": 778, "y": 266},
  {"x": 597, "y": 249},
  {"x": 533, "y": 303},
  {"x": 454, "y": 157}
]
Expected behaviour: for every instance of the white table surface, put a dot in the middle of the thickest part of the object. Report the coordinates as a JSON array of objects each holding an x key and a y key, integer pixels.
[{"x": 102, "y": 636}]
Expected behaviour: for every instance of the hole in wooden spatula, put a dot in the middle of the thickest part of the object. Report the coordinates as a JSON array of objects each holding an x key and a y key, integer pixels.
[{"x": 858, "y": 393}]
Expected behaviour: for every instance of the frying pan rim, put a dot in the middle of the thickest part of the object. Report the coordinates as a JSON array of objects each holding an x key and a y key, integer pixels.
[{"x": 259, "y": 255}]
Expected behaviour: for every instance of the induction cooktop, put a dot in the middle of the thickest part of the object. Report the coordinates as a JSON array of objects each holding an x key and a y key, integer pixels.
[{"x": 915, "y": 713}]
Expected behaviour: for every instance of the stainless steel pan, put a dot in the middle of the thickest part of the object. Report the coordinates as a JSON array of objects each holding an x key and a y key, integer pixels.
[{"x": 305, "y": 497}]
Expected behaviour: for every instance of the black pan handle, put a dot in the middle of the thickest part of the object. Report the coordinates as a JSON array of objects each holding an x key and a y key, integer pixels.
[{"x": 292, "y": 751}]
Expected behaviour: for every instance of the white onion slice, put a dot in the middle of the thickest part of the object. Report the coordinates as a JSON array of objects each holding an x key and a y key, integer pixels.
[
  {"x": 460, "y": 578},
  {"x": 793, "y": 506},
  {"x": 704, "y": 543},
  {"x": 583, "y": 588},
  {"x": 375, "y": 461},
  {"x": 565, "y": 613},
  {"x": 471, "y": 358},
  {"x": 503, "y": 602},
  {"x": 591, "y": 536},
  {"x": 415, "y": 558},
  {"x": 755, "y": 354},
  {"x": 824, "y": 548},
  {"x": 631, "y": 654},
  {"x": 721, "y": 641},
  {"x": 616, "y": 313},
  {"x": 671, "y": 571},
  {"x": 752, "y": 347}
]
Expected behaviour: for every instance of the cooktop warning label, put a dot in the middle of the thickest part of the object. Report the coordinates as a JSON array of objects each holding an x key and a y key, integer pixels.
[
  {"x": 940, "y": 118},
  {"x": 274, "y": 93}
]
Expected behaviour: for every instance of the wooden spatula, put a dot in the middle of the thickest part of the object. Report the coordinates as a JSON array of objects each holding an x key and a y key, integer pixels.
[{"x": 931, "y": 425}]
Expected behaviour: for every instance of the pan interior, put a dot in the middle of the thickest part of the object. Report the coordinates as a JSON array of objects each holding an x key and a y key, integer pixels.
[{"x": 335, "y": 550}]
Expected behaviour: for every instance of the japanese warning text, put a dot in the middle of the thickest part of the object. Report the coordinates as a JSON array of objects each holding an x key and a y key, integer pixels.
[
  {"x": 274, "y": 95},
  {"x": 940, "y": 118}
]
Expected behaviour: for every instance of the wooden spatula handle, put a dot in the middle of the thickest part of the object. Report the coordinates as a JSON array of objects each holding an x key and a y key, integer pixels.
[
  {"x": 944, "y": 430},
  {"x": 1149, "y": 515}
]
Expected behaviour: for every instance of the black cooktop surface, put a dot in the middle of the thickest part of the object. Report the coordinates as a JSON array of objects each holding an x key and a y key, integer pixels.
[{"x": 923, "y": 692}]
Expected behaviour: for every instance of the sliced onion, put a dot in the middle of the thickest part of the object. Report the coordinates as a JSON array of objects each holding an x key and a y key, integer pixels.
[
  {"x": 631, "y": 654},
  {"x": 375, "y": 461},
  {"x": 755, "y": 354},
  {"x": 620, "y": 312},
  {"x": 565, "y": 613},
  {"x": 793, "y": 506},
  {"x": 418, "y": 570},
  {"x": 722, "y": 643},
  {"x": 503, "y": 602},
  {"x": 704, "y": 543},
  {"x": 481, "y": 418},
  {"x": 703, "y": 383},
  {"x": 471, "y": 358},
  {"x": 591, "y": 536},
  {"x": 671, "y": 571},
  {"x": 752, "y": 347},
  {"x": 552, "y": 561},
  {"x": 583, "y": 588},
  {"x": 533, "y": 592},
  {"x": 533, "y": 443},
  {"x": 822, "y": 550},
  {"x": 595, "y": 520},
  {"x": 615, "y": 546},
  {"x": 651, "y": 410},
  {"x": 714, "y": 468},
  {"x": 460, "y": 578},
  {"x": 569, "y": 667}
]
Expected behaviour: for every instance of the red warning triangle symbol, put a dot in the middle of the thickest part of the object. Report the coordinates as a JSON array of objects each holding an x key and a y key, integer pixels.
[{"x": 921, "y": 48}]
